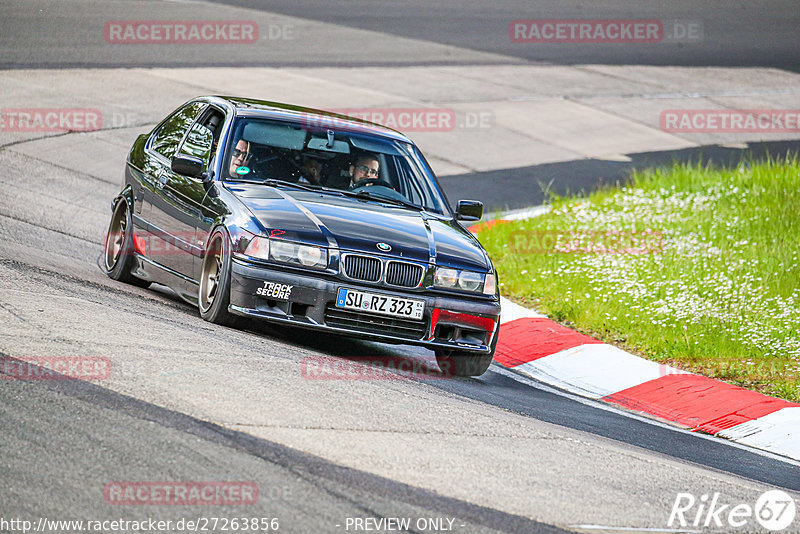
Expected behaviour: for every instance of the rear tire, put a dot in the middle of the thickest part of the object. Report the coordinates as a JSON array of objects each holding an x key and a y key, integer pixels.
[
  {"x": 215, "y": 280},
  {"x": 118, "y": 259}
]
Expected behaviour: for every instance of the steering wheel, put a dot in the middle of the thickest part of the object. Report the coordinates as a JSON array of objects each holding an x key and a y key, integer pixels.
[{"x": 372, "y": 181}]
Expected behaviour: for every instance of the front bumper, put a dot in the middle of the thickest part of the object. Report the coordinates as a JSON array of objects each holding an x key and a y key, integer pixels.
[{"x": 308, "y": 301}]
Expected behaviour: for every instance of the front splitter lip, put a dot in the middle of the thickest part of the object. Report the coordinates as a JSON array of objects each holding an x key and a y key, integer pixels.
[{"x": 313, "y": 325}]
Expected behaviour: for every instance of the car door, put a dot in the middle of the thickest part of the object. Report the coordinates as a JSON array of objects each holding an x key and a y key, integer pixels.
[
  {"x": 183, "y": 197},
  {"x": 171, "y": 231}
]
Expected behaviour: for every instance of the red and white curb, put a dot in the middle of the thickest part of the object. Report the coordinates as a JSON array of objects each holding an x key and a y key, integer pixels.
[{"x": 540, "y": 348}]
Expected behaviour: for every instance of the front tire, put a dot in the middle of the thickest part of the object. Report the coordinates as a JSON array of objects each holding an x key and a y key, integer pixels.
[
  {"x": 215, "y": 280},
  {"x": 118, "y": 260},
  {"x": 459, "y": 363},
  {"x": 455, "y": 363}
]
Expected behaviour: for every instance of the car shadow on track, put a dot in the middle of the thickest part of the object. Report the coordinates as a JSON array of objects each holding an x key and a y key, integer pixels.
[
  {"x": 365, "y": 359},
  {"x": 341, "y": 357}
]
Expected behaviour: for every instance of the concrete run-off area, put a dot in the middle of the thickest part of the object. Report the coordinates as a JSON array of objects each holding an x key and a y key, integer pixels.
[{"x": 465, "y": 118}]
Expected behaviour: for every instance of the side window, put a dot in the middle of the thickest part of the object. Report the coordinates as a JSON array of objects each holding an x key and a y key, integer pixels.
[
  {"x": 169, "y": 136},
  {"x": 198, "y": 142},
  {"x": 202, "y": 139}
]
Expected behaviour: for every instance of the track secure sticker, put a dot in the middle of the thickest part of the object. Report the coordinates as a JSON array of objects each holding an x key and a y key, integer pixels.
[
  {"x": 275, "y": 290},
  {"x": 242, "y": 170}
]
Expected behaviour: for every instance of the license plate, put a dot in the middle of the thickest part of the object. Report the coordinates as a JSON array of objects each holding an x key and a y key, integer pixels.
[{"x": 351, "y": 299}]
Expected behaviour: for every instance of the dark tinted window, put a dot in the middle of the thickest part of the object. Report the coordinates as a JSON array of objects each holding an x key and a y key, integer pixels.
[
  {"x": 328, "y": 158},
  {"x": 169, "y": 136}
]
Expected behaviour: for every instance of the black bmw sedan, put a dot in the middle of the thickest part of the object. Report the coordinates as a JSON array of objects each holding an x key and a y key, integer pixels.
[{"x": 306, "y": 218}]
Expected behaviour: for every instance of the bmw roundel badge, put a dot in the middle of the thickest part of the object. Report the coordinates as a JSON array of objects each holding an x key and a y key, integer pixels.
[{"x": 384, "y": 247}]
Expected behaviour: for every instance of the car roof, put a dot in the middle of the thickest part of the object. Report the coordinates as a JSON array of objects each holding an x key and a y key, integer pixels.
[{"x": 247, "y": 107}]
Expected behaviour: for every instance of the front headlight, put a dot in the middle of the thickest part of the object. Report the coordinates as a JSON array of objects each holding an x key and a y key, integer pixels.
[
  {"x": 445, "y": 277},
  {"x": 464, "y": 280},
  {"x": 286, "y": 252},
  {"x": 470, "y": 281},
  {"x": 311, "y": 256},
  {"x": 305, "y": 255},
  {"x": 283, "y": 251}
]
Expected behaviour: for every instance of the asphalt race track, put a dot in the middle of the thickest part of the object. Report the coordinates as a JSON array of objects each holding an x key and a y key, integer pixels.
[
  {"x": 189, "y": 401},
  {"x": 734, "y": 33}
]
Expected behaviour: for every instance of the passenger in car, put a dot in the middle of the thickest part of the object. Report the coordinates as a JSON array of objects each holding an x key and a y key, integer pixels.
[{"x": 312, "y": 171}]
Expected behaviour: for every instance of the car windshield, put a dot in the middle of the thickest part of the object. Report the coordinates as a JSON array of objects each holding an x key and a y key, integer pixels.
[{"x": 366, "y": 167}]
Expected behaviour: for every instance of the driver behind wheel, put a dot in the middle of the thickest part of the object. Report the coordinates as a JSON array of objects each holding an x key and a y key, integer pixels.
[
  {"x": 365, "y": 168},
  {"x": 240, "y": 156}
]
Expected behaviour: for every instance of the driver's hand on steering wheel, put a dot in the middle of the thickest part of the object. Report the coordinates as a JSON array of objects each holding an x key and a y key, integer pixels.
[{"x": 367, "y": 182}]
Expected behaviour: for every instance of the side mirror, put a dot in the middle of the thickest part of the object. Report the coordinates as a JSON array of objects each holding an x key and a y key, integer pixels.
[
  {"x": 187, "y": 165},
  {"x": 469, "y": 210}
]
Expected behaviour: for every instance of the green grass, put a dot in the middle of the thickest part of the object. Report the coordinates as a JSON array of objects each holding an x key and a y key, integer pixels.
[{"x": 692, "y": 266}]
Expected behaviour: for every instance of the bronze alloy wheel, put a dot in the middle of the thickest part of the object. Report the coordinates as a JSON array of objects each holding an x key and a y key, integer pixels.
[
  {"x": 115, "y": 238},
  {"x": 212, "y": 270},
  {"x": 215, "y": 280},
  {"x": 118, "y": 256}
]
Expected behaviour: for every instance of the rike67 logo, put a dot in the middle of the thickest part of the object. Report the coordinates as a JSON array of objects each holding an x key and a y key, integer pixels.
[{"x": 774, "y": 510}]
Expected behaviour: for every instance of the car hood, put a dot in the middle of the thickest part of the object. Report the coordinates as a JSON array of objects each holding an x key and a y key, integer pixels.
[{"x": 359, "y": 225}]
